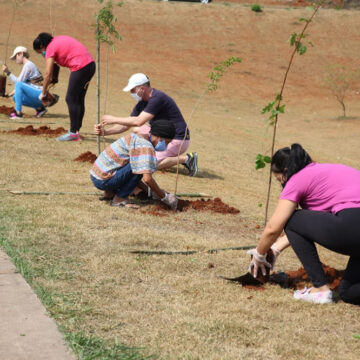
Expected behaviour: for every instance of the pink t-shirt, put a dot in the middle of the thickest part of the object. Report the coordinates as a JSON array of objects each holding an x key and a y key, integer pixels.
[
  {"x": 324, "y": 187},
  {"x": 68, "y": 52}
]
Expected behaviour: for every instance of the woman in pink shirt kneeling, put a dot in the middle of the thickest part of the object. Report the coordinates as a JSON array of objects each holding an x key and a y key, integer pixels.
[
  {"x": 329, "y": 197},
  {"x": 68, "y": 52}
]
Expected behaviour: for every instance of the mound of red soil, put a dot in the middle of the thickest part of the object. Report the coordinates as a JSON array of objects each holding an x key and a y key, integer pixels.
[
  {"x": 214, "y": 205},
  {"x": 42, "y": 130},
  {"x": 7, "y": 110},
  {"x": 299, "y": 279},
  {"x": 87, "y": 156}
]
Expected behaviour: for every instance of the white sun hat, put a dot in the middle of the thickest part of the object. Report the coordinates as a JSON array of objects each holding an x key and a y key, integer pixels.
[
  {"x": 17, "y": 50},
  {"x": 136, "y": 80}
]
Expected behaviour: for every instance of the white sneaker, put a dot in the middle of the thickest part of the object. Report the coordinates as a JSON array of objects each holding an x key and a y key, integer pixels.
[{"x": 320, "y": 297}]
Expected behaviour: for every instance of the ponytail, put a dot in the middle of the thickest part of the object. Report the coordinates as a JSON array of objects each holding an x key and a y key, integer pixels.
[{"x": 289, "y": 161}]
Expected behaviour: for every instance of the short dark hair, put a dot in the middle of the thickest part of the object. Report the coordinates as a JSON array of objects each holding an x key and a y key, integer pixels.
[
  {"x": 42, "y": 41},
  {"x": 163, "y": 128},
  {"x": 289, "y": 161}
]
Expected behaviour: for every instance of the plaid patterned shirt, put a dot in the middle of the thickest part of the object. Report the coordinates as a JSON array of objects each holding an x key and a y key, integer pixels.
[{"x": 131, "y": 149}]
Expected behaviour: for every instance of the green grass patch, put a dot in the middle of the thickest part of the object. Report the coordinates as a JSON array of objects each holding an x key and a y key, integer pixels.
[
  {"x": 63, "y": 306},
  {"x": 88, "y": 348},
  {"x": 256, "y": 8}
]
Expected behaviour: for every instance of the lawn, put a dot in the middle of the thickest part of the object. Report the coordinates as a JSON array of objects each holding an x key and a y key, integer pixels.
[{"x": 76, "y": 251}]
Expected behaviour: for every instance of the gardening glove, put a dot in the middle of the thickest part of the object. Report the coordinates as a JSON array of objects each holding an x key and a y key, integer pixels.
[
  {"x": 257, "y": 261},
  {"x": 154, "y": 196},
  {"x": 170, "y": 200},
  {"x": 276, "y": 254},
  {"x": 41, "y": 96}
]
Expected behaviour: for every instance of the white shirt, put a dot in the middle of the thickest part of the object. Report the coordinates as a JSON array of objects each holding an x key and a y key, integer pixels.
[{"x": 28, "y": 72}]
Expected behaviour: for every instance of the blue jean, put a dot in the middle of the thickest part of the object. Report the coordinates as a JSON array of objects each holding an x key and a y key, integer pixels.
[
  {"x": 123, "y": 182},
  {"x": 27, "y": 95}
]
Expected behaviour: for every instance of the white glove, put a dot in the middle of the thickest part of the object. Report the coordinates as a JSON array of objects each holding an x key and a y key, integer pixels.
[
  {"x": 170, "y": 200},
  {"x": 41, "y": 96},
  {"x": 276, "y": 254},
  {"x": 257, "y": 261},
  {"x": 154, "y": 196}
]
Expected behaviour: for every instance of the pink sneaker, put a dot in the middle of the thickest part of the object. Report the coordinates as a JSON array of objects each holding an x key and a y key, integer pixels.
[
  {"x": 69, "y": 136},
  {"x": 15, "y": 115},
  {"x": 321, "y": 297}
]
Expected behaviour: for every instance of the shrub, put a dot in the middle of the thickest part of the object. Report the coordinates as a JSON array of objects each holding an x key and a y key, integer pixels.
[{"x": 256, "y": 8}]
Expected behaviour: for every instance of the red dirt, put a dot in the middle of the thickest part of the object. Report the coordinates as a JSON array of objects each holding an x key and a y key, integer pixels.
[
  {"x": 42, "y": 130},
  {"x": 7, "y": 110},
  {"x": 299, "y": 279},
  {"x": 214, "y": 205},
  {"x": 87, "y": 156}
]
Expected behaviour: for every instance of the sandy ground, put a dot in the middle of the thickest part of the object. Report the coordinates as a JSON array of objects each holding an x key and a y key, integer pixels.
[{"x": 180, "y": 66}]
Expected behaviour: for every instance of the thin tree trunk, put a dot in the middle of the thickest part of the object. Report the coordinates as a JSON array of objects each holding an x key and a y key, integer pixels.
[
  {"x": 343, "y": 106},
  {"x": 98, "y": 86}
]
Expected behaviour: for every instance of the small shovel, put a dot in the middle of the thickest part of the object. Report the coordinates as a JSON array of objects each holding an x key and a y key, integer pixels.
[
  {"x": 246, "y": 279},
  {"x": 249, "y": 279}
]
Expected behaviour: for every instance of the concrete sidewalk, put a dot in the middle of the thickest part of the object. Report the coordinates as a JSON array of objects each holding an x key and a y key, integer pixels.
[{"x": 26, "y": 331}]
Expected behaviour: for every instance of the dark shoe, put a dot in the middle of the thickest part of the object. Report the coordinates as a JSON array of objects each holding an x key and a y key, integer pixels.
[
  {"x": 192, "y": 163},
  {"x": 104, "y": 198},
  {"x": 40, "y": 112},
  {"x": 16, "y": 115}
]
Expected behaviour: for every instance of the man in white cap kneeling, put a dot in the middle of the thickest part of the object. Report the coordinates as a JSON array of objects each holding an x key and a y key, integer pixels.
[{"x": 152, "y": 105}]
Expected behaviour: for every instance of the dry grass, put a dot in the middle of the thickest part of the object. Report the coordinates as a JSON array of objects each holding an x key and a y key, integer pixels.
[{"x": 176, "y": 306}]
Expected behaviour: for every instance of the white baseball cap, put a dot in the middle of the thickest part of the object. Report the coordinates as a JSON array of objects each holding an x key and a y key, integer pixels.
[
  {"x": 17, "y": 50},
  {"x": 136, "y": 80}
]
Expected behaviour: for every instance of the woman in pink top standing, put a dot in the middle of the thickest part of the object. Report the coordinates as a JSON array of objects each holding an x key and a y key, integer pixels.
[
  {"x": 68, "y": 52},
  {"x": 329, "y": 196}
]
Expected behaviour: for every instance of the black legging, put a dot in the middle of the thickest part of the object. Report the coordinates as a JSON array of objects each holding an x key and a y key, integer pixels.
[
  {"x": 339, "y": 233},
  {"x": 75, "y": 96}
]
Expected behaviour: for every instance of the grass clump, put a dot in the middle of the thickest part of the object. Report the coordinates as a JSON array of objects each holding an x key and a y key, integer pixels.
[
  {"x": 256, "y": 8},
  {"x": 89, "y": 347},
  {"x": 85, "y": 347}
]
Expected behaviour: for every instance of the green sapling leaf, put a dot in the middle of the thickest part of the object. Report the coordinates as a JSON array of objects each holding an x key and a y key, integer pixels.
[
  {"x": 293, "y": 39},
  {"x": 219, "y": 70},
  {"x": 268, "y": 107},
  {"x": 261, "y": 161},
  {"x": 304, "y": 19},
  {"x": 302, "y": 49}
]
